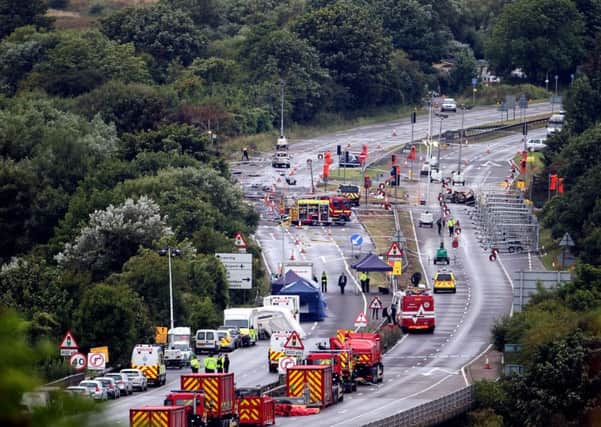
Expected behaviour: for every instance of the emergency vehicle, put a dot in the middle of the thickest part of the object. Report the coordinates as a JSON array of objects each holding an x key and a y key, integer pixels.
[
  {"x": 150, "y": 359},
  {"x": 324, "y": 211},
  {"x": 444, "y": 281},
  {"x": 415, "y": 308},
  {"x": 276, "y": 348}
]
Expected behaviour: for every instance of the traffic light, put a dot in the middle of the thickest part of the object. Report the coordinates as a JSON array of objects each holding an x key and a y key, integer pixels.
[
  {"x": 338, "y": 150},
  {"x": 364, "y": 151},
  {"x": 413, "y": 117},
  {"x": 366, "y": 182},
  {"x": 394, "y": 159},
  {"x": 525, "y": 129},
  {"x": 553, "y": 182}
]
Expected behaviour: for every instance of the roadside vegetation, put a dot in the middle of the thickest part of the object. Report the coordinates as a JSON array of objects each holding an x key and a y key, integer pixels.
[{"x": 115, "y": 128}]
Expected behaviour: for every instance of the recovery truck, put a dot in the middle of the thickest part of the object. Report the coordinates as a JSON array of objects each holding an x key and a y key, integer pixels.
[
  {"x": 341, "y": 361},
  {"x": 315, "y": 383},
  {"x": 366, "y": 349},
  {"x": 415, "y": 308},
  {"x": 178, "y": 352}
]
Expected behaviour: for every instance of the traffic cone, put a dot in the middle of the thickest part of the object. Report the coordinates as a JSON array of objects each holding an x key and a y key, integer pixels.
[
  {"x": 296, "y": 242},
  {"x": 302, "y": 249},
  {"x": 488, "y": 149},
  {"x": 292, "y": 255},
  {"x": 486, "y": 364}
]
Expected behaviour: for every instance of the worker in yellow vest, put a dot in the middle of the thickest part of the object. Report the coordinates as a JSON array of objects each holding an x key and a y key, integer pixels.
[
  {"x": 194, "y": 364},
  {"x": 210, "y": 363}
]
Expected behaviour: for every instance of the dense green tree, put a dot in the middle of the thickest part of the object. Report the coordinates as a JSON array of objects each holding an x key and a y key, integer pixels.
[
  {"x": 538, "y": 36},
  {"x": 19, "y": 53},
  {"x": 82, "y": 61},
  {"x": 112, "y": 236},
  {"x": 202, "y": 12},
  {"x": 414, "y": 28},
  {"x": 131, "y": 107},
  {"x": 463, "y": 70},
  {"x": 18, "y": 13},
  {"x": 353, "y": 49},
  {"x": 114, "y": 316},
  {"x": 167, "y": 34},
  {"x": 583, "y": 104}
]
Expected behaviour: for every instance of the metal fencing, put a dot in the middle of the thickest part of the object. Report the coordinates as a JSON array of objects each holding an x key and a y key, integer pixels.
[
  {"x": 506, "y": 221},
  {"x": 431, "y": 413}
]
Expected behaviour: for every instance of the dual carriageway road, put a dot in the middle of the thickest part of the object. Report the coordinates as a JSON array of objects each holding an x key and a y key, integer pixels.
[{"x": 420, "y": 367}]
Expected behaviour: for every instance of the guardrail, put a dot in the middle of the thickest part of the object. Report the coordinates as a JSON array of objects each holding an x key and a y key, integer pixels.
[
  {"x": 67, "y": 381},
  {"x": 431, "y": 413}
]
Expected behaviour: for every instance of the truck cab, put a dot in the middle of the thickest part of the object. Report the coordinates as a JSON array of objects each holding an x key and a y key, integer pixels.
[
  {"x": 178, "y": 352},
  {"x": 194, "y": 404}
]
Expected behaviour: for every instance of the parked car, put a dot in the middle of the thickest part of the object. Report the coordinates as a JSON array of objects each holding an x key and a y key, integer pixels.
[
  {"x": 78, "y": 390},
  {"x": 280, "y": 159},
  {"x": 457, "y": 178},
  {"x": 125, "y": 386},
  {"x": 448, "y": 104},
  {"x": 235, "y": 334},
  {"x": 426, "y": 219},
  {"x": 226, "y": 342},
  {"x": 535, "y": 144},
  {"x": 96, "y": 389},
  {"x": 111, "y": 387},
  {"x": 137, "y": 378}
]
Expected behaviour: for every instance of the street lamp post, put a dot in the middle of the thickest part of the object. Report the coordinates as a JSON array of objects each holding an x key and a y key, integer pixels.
[
  {"x": 547, "y": 83},
  {"x": 310, "y": 164},
  {"x": 461, "y": 136},
  {"x": 282, "y": 83},
  {"x": 175, "y": 252},
  {"x": 441, "y": 117},
  {"x": 556, "y": 78}
]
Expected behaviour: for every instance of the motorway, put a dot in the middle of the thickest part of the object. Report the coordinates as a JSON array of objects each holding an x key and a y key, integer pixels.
[{"x": 420, "y": 367}]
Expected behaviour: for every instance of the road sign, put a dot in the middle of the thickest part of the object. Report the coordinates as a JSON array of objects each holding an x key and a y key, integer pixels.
[
  {"x": 474, "y": 81},
  {"x": 284, "y": 363},
  {"x": 78, "y": 361},
  {"x": 68, "y": 342},
  {"x": 103, "y": 349},
  {"x": 239, "y": 241},
  {"x": 397, "y": 268},
  {"x": 96, "y": 361},
  {"x": 375, "y": 303},
  {"x": 238, "y": 268},
  {"x": 361, "y": 320},
  {"x": 356, "y": 239},
  {"x": 566, "y": 240},
  {"x": 510, "y": 101},
  {"x": 394, "y": 251},
  {"x": 523, "y": 102},
  {"x": 294, "y": 342},
  {"x": 160, "y": 334},
  {"x": 66, "y": 352}
]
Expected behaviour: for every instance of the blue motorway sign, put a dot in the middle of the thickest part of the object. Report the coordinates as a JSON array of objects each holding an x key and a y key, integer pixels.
[{"x": 356, "y": 239}]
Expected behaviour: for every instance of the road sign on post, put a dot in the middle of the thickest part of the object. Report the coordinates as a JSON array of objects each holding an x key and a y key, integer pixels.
[
  {"x": 361, "y": 320},
  {"x": 294, "y": 342},
  {"x": 356, "y": 239},
  {"x": 239, "y": 241},
  {"x": 394, "y": 251},
  {"x": 238, "y": 268},
  {"x": 375, "y": 303},
  {"x": 68, "y": 345},
  {"x": 96, "y": 361},
  {"x": 78, "y": 361}
]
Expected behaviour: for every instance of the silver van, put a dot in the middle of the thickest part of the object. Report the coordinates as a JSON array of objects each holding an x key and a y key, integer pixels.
[{"x": 206, "y": 340}]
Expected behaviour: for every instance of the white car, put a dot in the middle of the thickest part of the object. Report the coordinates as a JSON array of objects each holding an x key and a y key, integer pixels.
[
  {"x": 125, "y": 386},
  {"x": 281, "y": 159},
  {"x": 426, "y": 219},
  {"x": 535, "y": 144},
  {"x": 137, "y": 378},
  {"x": 448, "y": 104},
  {"x": 435, "y": 175},
  {"x": 96, "y": 389}
]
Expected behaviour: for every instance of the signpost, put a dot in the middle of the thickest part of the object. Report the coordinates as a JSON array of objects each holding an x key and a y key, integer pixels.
[
  {"x": 238, "y": 268},
  {"x": 240, "y": 242},
  {"x": 361, "y": 320},
  {"x": 78, "y": 361},
  {"x": 284, "y": 363},
  {"x": 294, "y": 346},
  {"x": 68, "y": 345},
  {"x": 96, "y": 361},
  {"x": 375, "y": 303},
  {"x": 356, "y": 240}
]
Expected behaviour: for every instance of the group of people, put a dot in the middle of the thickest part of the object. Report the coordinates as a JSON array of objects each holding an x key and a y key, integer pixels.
[
  {"x": 342, "y": 280},
  {"x": 219, "y": 363},
  {"x": 451, "y": 224}
]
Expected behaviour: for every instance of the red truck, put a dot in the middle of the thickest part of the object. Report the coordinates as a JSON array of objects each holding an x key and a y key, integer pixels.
[
  {"x": 166, "y": 416},
  {"x": 366, "y": 348},
  {"x": 340, "y": 358},
  {"x": 415, "y": 308},
  {"x": 315, "y": 383},
  {"x": 219, "y": 395}
]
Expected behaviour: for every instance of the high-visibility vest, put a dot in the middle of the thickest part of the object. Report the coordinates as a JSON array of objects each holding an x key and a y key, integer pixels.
[
  {"x": 210, "y": 362},
  {"x": 195, "y": 363},
  {"x": 220, "y": 362}
]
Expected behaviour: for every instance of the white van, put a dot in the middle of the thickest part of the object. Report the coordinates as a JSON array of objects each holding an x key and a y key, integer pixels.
[
  {"x": 149, "y": 359},
  {"x": 282, "y": 144},
  {"x": 207, "y": 340}
]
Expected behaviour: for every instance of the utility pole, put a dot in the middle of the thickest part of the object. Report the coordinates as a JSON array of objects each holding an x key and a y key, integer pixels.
[
  {"x": 461, "y": 137},
  {"x": 282, "y": 108}
]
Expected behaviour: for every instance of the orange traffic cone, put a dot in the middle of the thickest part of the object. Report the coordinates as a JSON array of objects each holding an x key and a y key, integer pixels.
[{"x": 486, "y": 364}]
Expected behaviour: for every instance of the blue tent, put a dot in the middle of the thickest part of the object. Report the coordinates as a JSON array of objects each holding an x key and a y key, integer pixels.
[
  {"x": 371, "y": 262},
  {"x": 286, "y": 279},
  {"x": 312, "y": 304}
]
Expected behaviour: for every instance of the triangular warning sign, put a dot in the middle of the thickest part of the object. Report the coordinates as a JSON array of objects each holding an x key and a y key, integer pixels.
[
  {"x": 394, "y": 251},
  {"x": 68, "y": 341},
  {"x": 239, "y": 241},
  {"x": 375, "y": 303},
  {"x": 294, "y": 342},
  {"x": 361, "y": 318}
]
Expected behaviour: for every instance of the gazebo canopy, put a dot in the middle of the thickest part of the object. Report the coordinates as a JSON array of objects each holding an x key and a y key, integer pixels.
[{"x": 371, "y": 262}]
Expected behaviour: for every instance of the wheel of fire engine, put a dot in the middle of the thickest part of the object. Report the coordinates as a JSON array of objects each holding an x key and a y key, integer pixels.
[
  {"x": 431, "y": 330},
  {"x": 404, "y": 329},
  {"x": 492, "y": 257},
  {"x": 375, "y": 378},
  {"x": 381, "y": 373}
]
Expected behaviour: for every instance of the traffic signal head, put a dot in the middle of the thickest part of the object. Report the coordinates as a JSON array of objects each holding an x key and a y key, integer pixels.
[
  {"x": 367, "y": 181},
  {"x": 553, "y": 182},
  {"x": 338, "y": 150}
]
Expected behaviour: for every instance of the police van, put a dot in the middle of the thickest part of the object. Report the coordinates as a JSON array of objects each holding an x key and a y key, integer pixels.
[{"x": 149, "y": 359}]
